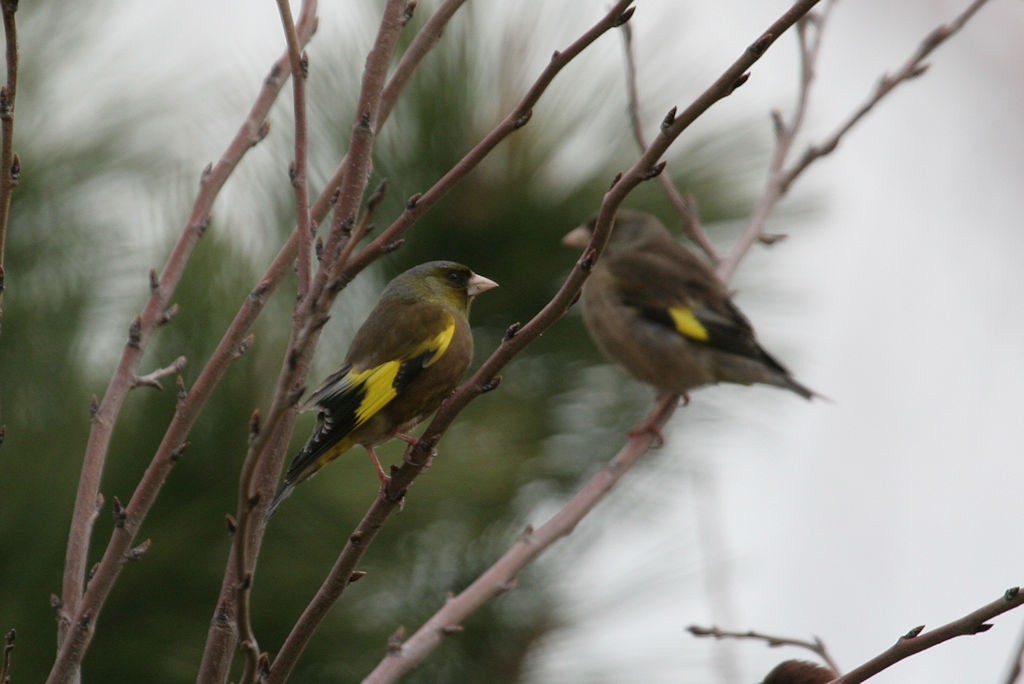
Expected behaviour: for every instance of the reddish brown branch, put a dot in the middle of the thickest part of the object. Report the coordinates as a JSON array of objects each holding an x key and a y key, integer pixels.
[
  {"x": 816, "y": 647},
  {"x": 518, "y": 117},
  {"x": 785, "y": 137},
  {"x": 917, "y": 640},
  {"x": 685, "y": 206},
  {"x": 910, "y": 70},
  {"x": 79, "y": 610},
  {"x": 501, "y": 576},
  {"x": 647, "y": 167},
  {"x": 298, "y": 170},
  {"x": 342, "y": 572},
  {"x": 486, "y": 376},
  {"x": 781, "y": 177},
  {"x": 10, "y": 166},
  {"x": 425, "y": 40},
  {"x": 266, "y": 454}
]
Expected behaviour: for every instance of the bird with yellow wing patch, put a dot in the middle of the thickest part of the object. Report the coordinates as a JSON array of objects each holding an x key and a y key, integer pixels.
[{"x": 409, "y": 354}]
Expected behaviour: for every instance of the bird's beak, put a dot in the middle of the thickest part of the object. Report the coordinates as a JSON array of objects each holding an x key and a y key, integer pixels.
[
  {"x": 478, "y": 284},
  {"x": 578, "y": 237}
]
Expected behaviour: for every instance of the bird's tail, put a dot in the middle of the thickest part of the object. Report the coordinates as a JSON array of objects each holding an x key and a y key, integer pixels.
[
  {"x": 282, "y": 493},
  {"x": 787, "y": 382}
]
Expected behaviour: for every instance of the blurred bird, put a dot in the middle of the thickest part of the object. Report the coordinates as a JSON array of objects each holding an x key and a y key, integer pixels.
[
  {"x": 660, "y": 312},
  {"x": 408, "y": 355},
  {"x": 799, "y": 672}
]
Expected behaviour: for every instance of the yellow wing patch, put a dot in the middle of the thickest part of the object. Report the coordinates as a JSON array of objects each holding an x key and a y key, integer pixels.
[
  {"x": 379, "y": 381},
  {"x": 687, "y": 323},
  {"x": 439, "y": 343}
]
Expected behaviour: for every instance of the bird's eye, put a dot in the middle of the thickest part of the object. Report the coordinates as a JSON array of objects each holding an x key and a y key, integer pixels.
[{"x": 457, "y": 276}]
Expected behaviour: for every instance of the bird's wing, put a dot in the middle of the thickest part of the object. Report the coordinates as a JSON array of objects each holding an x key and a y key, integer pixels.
[
  {"x": 686, "y": 302},
  {"x": 353, "y": 395}
]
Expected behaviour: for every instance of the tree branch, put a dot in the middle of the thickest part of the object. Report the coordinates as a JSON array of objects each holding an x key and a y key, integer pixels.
[
  {"x": 153, "y": 379},
  {"x": 782, "y": 178},
  {"x": 79, "y": 611},
  {"x": 10, "y": 165},
  {"x": 910, "y": 70},
  {"x": 785, "y": 136},
  {"x": 501, "y": 576},
  {"x": 298, "y": 170},
  {"x": 427, "y": 637},
  {"x": 685, "y": 206},
  {"x": 5, "y": 665},
  {"x": 917, "y": 640},
  {"x": 1017, "y": 662},
  {"x": 816, "y": 647},
  {"x": 343, "y": 571}
]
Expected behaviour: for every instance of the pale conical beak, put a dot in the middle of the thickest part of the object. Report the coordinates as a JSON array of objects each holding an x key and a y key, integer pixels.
[
  {"x": 578, "y": 237},
  {"x": 478, "y": 284}
]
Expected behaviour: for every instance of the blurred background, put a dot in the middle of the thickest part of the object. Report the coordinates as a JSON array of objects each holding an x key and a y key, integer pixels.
[{"x": 896, "y": 295}]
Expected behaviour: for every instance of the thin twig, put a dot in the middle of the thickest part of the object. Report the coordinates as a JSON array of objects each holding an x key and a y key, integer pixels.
[
  {"x": 486, "y": 376},
  {"x": 785, "y": 136},
  {"x": 426, "y": 38},
  {"x": 223, "y": 635},
  {"x": 10, "y": 165},
  {"x": 265, "y": 456},
  {"x": 298, "y": 171},
  {"x": 518, "y": 117},
  {"x": 685, "y": 206},
  {"x": 781, "y": 177},
  {"x": 501, "y": 576},
  {"x": 78, "y": 610},
  {"x": 910, "y": 70},
  {"x": 340, "y": 576},
  {"x": 816, "y": 647},
  {"x": 153, "y": 379},
  {"x": 1017, "y": 662},
  {"x": 917, "y": 640},
  {"x": 5, "y": 665}
]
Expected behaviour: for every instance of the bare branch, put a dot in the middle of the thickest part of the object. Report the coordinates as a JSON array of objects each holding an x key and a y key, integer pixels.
[
  {"x": 5, "y": 665},
  {"x": 816, "y": 647},
  {"x": 298, "y": 170},
  {"x": 417, "y": 455},
  {"x": 10, "y": 165},
  {"x": 910, "y": 70},
  {"x": 785, "y": 136},
  {"x": 917, "y": 640},
  {"x": 500, "y": 577},
  {"x": 424, "y": 42},
  {"x": 76, "y": 606},
  {"x": 153, "y": 379},
  {"x": 780, "y": 177},
  {"x": 518, "y": 117},
  {"x": 685, "y": 205},
  {"x": 1017, "y": 663}
]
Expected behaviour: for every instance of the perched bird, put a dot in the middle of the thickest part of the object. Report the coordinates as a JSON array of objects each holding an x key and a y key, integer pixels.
[
  {"x": 660, "y": 312},
  {"x": 799, "y": 672},
  {"x": 408, "y": 355}
]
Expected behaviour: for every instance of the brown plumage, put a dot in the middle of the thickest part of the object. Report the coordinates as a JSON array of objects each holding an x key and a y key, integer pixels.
[{"x": 659, "y": 311}]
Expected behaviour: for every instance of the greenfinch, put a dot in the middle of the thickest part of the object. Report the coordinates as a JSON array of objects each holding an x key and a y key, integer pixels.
[
  {"x": 407, "y": 356},
  {"x": 658, "y": 310}
]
